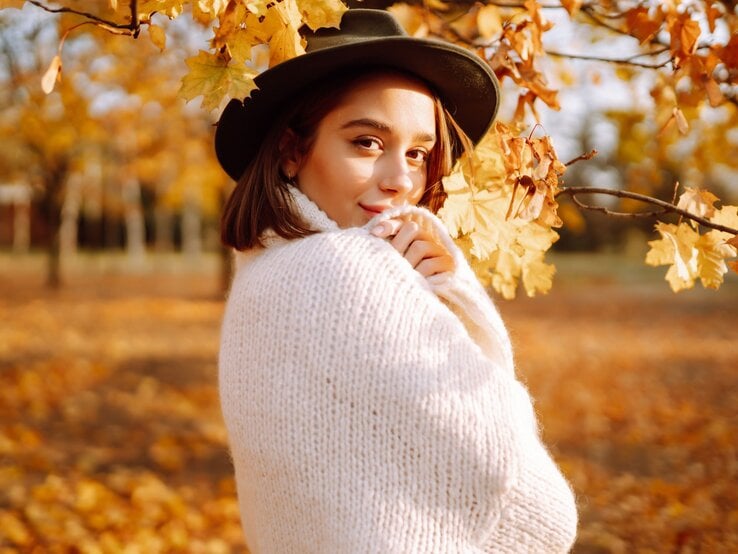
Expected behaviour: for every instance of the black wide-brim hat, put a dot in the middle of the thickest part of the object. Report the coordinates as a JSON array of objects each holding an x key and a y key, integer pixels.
[{"x": 464, "y": 82}]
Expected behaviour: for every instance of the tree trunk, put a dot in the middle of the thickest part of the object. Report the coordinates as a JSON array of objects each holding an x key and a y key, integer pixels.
[
  {"x": 69, "y": 218},
  {"x": 163, "y": 229},
  {"x": 22, "y": 225},
  {"x": 191, "y": 229},
  {"x": 51, "y": 204},
  {"x": 135, "y": 225}
]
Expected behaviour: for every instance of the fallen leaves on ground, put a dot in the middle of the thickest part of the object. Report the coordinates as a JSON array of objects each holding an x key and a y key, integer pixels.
[{"x": 111, "y": 438}]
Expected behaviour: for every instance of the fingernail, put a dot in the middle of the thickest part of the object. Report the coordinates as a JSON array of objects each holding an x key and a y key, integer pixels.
[{"x": 378, "y": 230}]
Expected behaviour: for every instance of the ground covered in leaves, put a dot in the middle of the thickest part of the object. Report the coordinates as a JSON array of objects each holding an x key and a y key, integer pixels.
[{"x": 111, "y": 438}]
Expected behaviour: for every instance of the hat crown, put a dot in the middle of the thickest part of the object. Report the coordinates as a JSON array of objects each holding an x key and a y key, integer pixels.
[{"x": 357, "y": 25}]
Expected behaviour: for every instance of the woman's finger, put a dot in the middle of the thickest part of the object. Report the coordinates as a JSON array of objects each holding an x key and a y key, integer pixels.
[
  {"x": 407, "y": 233},
  {"x": 421, "y": 249},
  {"x": 386, "y": 228},
  {"x": 433, "y": 266}
]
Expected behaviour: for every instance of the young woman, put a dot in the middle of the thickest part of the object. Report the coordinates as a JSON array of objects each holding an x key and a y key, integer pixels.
[{"x": 367, "y": 381}]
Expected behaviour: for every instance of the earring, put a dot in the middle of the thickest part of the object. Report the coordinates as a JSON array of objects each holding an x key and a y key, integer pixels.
[{"x": 290, "y": 179}]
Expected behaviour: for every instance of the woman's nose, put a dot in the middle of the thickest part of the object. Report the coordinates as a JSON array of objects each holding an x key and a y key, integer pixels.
[{"x": 396, "y": 175}]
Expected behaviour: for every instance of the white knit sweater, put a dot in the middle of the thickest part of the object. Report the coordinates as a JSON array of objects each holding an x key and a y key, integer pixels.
[{"x": 370, "y": 410}]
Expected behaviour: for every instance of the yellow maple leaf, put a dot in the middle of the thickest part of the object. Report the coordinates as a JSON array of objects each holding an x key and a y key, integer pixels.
[
  {"x": 502, "y": 250},
  {"x": 677, "y": 249},
  {"x": 211, "y": 7},
  {"x": 538, "y": 277},
  {"x": 170, "y": 8},
  {"x": 321, "y": 13},
  {"x": 711, "y": 253},
  {"x": 231, "y": 35},
  {"x": 484, "y": 241},
  {"x": 489, "y": 21},
  {"x": 285, "y": 44},
  {"x": 158, "y": 36},
  {"x": 240, "y": 44},
  {"x": 507, "y": 269},
  {"x": 727, "y": 216},
  {"x": 490, "y": 166},
  {"x": 698, "y": 202},
  {"x": 457, "y": 212},
  {"x": 214, "y": 79},
  {"x": 535, "y": 237}
]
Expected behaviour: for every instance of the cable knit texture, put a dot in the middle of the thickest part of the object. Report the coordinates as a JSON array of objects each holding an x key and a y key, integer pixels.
[{"x": 371, "y": 410}]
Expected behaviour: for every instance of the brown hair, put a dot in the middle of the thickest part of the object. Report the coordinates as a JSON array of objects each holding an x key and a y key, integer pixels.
[{"x": 261, "y": 199}]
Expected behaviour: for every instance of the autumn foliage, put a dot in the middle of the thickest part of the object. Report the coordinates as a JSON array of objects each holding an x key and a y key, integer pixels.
[{"x": 506, "y": 211}]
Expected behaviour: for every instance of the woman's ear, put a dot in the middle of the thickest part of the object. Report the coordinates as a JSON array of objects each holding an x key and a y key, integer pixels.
[{"x": 289, "y": 154}]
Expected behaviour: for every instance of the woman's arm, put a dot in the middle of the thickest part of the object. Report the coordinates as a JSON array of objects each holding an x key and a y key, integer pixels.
[{"x": 422, "y": 239}]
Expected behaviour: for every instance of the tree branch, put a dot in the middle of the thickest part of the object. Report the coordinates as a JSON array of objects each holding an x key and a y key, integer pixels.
[
  {"x": 666, "y": 207},
  {"x": 133, "y": 27},
  {"x": 625, "y": 61},
  {"x": 610, "y": 212}
]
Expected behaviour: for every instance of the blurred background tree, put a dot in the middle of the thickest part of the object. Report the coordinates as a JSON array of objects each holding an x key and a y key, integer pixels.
[{"x": 113, "y": 157}]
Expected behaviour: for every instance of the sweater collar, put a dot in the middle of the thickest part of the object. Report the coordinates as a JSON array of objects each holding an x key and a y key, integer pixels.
[{"x": 316, "y": 218}]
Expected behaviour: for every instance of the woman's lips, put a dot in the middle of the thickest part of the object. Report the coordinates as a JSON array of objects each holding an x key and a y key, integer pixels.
[{"x": 374, "y": 209}]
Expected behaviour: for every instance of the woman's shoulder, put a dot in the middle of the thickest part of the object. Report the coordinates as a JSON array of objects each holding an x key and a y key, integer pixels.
[{"x": 342, "y": 260}]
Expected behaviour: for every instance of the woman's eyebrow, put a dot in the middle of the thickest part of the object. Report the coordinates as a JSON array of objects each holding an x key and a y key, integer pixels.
[{"x": 380, "y": 126}]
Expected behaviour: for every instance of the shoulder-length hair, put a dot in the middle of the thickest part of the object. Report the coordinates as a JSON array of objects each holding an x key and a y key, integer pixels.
[{"x": 261, "y": 198}]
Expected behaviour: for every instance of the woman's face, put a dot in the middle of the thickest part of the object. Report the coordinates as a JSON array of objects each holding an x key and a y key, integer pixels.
[{"x": 370, "y": 152}]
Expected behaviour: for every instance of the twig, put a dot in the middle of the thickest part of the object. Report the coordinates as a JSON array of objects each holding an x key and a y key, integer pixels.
[
  {"x": 624, "y": 61},
  {"x": 614, "y": 213},
  {"x": 666, "y": 207},
  {"x": 586, "y": 156},
  {"x": 521, "y": 5},
  {"x": 133, "y": 27}
]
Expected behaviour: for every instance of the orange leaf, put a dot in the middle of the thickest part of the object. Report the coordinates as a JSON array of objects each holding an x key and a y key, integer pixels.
[
  {"x": 572, "y": 6},
  {"x": 713, "y": 14},
  {"x": 689, "y": 34},
  {"x": 641, "y": 26},
  {"x": 52, "y": 75},
  {"x": 714, "y": 94},
  {"x": 668, "y": 125},
  {"x": 681, "y": 121},
  {"x": 729, "y": 53}
]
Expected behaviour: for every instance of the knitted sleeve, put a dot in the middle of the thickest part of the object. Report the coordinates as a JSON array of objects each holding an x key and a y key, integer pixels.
[
  {"x": 362, "y": 416},
  {"x": 462, "y": 291}
]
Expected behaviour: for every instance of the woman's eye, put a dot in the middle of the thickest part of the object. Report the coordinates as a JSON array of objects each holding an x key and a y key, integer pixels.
[
  {"x": 367, "y": 143},
  {"x": 419, "y": 155}
]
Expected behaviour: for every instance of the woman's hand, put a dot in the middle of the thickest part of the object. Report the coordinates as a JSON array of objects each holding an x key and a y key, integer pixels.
[{"x": 417, "y": 243}]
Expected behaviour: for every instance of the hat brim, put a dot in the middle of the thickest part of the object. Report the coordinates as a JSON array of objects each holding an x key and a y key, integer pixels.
[{"x": 465, "y": 83}]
